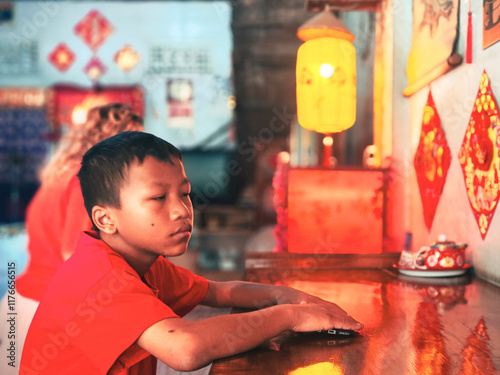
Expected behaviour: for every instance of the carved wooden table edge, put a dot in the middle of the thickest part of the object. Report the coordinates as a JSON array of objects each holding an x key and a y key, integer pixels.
[{"x": 259, "y": 260}]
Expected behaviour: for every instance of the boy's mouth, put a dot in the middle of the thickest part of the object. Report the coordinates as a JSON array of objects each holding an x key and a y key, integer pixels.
[{"x": 183, "y": 231}]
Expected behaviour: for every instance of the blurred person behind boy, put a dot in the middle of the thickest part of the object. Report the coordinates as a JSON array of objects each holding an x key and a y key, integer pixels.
[
  {"x": 56, "y": 215},
  {"x": 116, "y": 304}
]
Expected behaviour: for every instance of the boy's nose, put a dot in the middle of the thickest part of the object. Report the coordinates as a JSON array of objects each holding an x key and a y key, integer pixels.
[{"x": 180, "y": 209}]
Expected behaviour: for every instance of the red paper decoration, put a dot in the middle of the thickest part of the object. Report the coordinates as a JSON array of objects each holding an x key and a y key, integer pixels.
[
  {"x": 126, "y": 58},
  {"x": 62, "y": 57},
  {"x": 432, "y": 161},
  {"x": 480, "y": 156},
  {"x": 94, "y": 68},
  {"x": 93, "y": 29}
]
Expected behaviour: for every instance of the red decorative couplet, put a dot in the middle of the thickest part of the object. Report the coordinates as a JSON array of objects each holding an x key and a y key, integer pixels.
[
  {"x": 480, "y": 156},
  {"x": 431, "y": 161},
  {"x": 93, "y": 29},
  {"x": 62, "y": 57}
]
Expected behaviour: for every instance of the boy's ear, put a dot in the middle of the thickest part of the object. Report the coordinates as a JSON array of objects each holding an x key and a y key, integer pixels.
[{"x": 103, "y": 220}]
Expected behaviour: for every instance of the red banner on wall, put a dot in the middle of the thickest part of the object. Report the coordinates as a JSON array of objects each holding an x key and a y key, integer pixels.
[
  {"x": 480, "y": 156},
  {"x": 68, "y": 105},
  {"x": 432, "y": 161}
]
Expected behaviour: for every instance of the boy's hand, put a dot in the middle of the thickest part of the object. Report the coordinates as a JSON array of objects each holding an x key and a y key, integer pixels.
[
  {"x": 313, "y": 317},
  {"x": 314, "y": 313}
]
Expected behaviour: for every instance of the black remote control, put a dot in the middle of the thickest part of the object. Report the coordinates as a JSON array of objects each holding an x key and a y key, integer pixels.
[{"x": 339, "y": 332}]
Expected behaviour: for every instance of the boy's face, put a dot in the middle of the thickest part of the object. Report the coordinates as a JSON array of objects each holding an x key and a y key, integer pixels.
[{"x": 156, "y": 214}]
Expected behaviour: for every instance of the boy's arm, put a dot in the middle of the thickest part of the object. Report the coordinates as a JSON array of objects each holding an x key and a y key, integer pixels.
[
  {"x": 253, "y": 295},
  {"x": 186, "y": 346}
]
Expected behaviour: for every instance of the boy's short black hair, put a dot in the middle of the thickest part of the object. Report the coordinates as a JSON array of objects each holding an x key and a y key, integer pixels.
[{"x": 104, "y": 165}]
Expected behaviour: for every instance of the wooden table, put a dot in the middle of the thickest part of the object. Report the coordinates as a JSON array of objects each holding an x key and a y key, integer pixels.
[{"x": 412, "y": 325}]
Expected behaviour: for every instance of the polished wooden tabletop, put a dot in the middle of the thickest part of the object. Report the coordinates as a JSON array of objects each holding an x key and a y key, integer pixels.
[{"x": 412, "y": 326}]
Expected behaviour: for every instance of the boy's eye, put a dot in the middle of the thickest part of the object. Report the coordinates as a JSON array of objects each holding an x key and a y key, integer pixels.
[{"x": 159, "y": 198}]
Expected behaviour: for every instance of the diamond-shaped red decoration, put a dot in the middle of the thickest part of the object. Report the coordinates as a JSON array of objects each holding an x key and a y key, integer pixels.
[
  {"x": 432, "y": 161},
  {"x": 93, "y": 29},
  {"x": 62, "y": 57},
  {"x": 480, "y": 156},
  {"x": 94, "y": 68}
]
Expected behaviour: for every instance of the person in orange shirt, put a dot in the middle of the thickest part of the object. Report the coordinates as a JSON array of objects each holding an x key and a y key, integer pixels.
[
  {"x": 56, "y": 215},
  {"x": 116, "y": 305}
]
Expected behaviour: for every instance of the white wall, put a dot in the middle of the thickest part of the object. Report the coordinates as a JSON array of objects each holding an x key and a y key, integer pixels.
[
  {"x": 454, "y": 94},
  {"x": 142, "y": 25}
]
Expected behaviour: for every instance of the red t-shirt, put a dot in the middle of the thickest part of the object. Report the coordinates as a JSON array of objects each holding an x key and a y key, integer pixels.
[
  {"x": 55, "y": 219},
  {"x": 97, "y": 306}
]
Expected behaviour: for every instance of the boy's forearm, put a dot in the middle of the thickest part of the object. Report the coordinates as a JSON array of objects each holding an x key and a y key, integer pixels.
[
  {"x": 187, "y": 346},
  {"x": 227, "y": 335},
  {"x": 241, "y": 294}
]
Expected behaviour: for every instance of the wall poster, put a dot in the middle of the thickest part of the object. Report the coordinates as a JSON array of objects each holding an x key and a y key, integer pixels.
[
  {"x": 491, "y": 22},
  {"x": 180, "y": 103},
  {"x": 435, "y": 31}
]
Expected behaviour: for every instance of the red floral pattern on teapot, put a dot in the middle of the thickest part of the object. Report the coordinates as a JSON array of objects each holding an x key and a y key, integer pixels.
[
  {"x": 441, "y": 255},
  {"x": 445, "y": 255}
]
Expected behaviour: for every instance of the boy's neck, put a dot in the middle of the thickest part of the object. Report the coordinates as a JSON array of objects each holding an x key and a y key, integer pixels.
[{"x": 140, "y": 262}]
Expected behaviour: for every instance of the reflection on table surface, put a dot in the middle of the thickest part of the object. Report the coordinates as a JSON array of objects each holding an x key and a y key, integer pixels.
[{"x": 412, "y": 326}]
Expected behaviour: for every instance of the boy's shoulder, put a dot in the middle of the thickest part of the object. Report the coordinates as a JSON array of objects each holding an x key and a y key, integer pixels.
[
  {"x": 92, "y": 264},
  {"x": 93, "y": 257},
  {"x": 97, "y": 271}
]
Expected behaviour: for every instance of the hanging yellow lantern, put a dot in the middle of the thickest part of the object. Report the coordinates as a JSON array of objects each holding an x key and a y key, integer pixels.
[{"x": 326, "y": 75}]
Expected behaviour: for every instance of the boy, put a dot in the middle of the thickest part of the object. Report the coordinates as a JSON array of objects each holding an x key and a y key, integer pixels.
[{"x": 115, "y": 305}]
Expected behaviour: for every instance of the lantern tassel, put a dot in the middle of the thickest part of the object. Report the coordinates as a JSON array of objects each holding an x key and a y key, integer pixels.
[{"x": 468, "y": 47}]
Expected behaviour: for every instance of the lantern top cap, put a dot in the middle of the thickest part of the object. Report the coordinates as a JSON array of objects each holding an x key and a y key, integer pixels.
[{"x": 324, "y": 24}]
